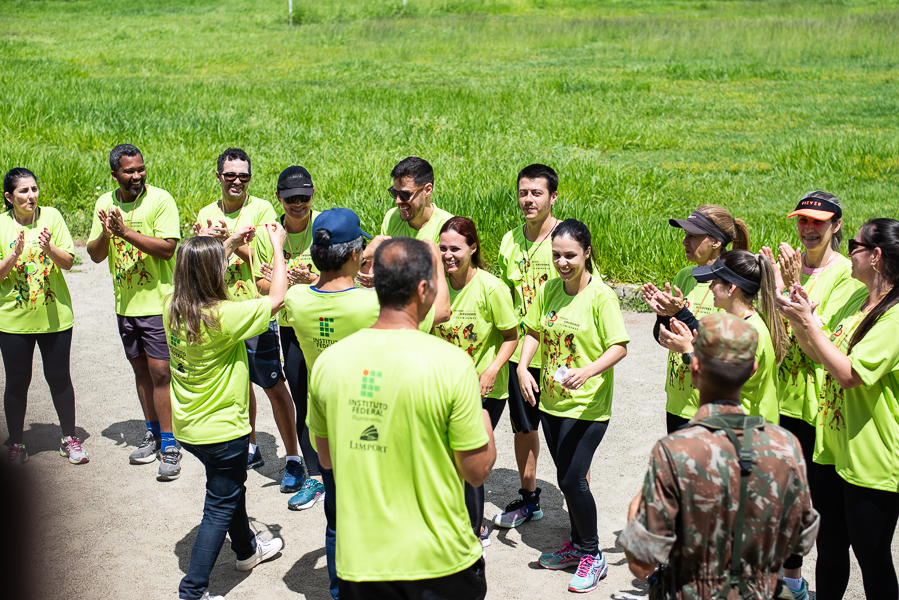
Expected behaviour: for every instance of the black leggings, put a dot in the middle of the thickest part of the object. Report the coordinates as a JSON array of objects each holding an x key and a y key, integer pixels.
[
  {"x": 18, "y": 355},
  {"x": 295, "y": 373},
  {"x": 674, "y": 422},
  {"x": 476, "y": 496},
  {"x": 860, "y": 517},
  {"x": 805, "y": 434},
  {"x": 572, "y": 443}
]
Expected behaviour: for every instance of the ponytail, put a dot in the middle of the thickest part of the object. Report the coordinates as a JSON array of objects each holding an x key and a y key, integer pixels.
[
  {"x": 776, "y": 327},
  {"x": 741, "y": 235},
  {"x": 735, "y": 229}
]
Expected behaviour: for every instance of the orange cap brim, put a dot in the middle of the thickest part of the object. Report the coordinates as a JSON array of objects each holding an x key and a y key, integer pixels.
[{"x": 819, "y": 215}]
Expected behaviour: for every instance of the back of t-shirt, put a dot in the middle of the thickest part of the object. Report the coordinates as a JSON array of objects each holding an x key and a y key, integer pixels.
[{"x": 394, "y": 405}]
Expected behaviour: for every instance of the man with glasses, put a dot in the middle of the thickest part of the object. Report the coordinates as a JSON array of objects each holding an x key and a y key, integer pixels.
[
  {"x": 136, "y": 229},
  {"x": 236, "y": 208}
]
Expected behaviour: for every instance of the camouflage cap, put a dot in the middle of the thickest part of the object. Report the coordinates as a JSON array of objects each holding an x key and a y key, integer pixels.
[{"x": 727, "y": 339}]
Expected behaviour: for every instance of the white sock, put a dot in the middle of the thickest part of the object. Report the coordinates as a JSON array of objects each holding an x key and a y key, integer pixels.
[
  {"x": 793, "y": 584},
  {"x": 292, "y": 458},
  {"x": 252, "y": 448}
]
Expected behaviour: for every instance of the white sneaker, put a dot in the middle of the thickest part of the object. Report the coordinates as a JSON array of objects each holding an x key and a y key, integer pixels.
[
  {"x": 206, "y": 596},
  {"x": 264, "y": 551}
]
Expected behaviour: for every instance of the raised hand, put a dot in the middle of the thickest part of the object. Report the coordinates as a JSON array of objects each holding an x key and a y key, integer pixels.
[
  {"x": 678, "y": 338},
  {"x": 779, "y": 284},
  {"x": 43, "y": 240},
  {"x": 790, "y": 262},
  {"x": 115, "y": 222}
]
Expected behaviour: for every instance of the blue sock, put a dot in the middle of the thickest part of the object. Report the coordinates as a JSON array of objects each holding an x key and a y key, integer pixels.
[
  {"x": 153, "y": 426},
  {"x": 168, "y": 440}
]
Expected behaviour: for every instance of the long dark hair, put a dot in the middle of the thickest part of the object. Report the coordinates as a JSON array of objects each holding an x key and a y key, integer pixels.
[
  {"x": 883, "y": 234},
  {"x": 199, "y": 285},
  {"x": 466, "y": 228},
  {"x": 580, "y": 233},
  {"x": 11, "y": 180},
  {"x": 757, "y": 268}
]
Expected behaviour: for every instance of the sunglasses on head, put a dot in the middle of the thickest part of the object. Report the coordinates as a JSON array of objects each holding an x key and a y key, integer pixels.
[
  {"x": 297, "y": 198},
  {"x": 404, "y": 195},
  {"x": 245, "y": 177},
  {"x": 855, "y": 245}
]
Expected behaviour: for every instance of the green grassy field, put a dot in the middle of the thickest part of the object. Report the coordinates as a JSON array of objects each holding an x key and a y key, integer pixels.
[{"x": 647, "y": 108}]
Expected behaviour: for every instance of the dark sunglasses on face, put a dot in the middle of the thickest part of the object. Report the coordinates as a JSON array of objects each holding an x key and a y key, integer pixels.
[
  {"x": 244, "y": 177},
  {"x": 295, "y": 199},
  {"x": 403, "y": 195},
  {"x": 855, "y": 245}
]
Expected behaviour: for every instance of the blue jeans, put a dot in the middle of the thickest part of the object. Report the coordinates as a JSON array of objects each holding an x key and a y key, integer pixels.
[
  {"x": 225, "y": 511},
  {"x": 330, "y": 529}
]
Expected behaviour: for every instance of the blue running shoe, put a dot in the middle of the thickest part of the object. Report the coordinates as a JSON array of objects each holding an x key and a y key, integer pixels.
[
  {"x": 801, "y": 593},
  {"x": 313, "y": 491},
  {"x": 566, "y": 556},
  {"x": 255, "y": 460},
  {"x": 292, "y": 476},
  {"x": 591, "y": 569}
]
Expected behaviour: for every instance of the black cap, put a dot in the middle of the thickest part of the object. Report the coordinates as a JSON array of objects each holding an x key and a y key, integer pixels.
[
  {"x": 719, "y": 269},
  {"x": 295, "y": 181}
]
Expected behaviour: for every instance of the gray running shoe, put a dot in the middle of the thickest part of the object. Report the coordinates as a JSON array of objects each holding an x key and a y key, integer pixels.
[
  {"x": 147, "y": 451},
  {"x": 169, "y": 464}
]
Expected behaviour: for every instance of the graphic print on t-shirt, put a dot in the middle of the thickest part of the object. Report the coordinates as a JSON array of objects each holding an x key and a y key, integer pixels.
[
  {"x": 832, "y": 393},
  {"x": 560, "y": 350},
  {"x": 130, "y": 269},
  {"x": 30, "y": 277},
  {"x": 234, "y": 279},
  {"x": 795, "y": 361},
  {"x": 460, "y": 331},
  {"x": 370, "y": 410}
]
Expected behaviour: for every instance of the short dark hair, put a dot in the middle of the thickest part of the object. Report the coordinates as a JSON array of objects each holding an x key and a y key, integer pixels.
[
  {"x": 536, "y": 171},
  {"x": 11, "y": 180},
  {"x": 331, "y": 257},
  {"x": 233, "y": 154},
  {"x": 116, "y": 154},
  {"x": 580, "y": 233},
  {"x": 417, "y": 168},
  {"x": 400, "y": 265},
  {"x": 724, "y": 377}
]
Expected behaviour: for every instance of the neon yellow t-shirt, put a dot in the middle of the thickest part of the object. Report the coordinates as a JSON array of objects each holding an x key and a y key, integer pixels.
[
  {"x": 860, "y": 426},
  {"x": 241, "y": 280},
  {"x": 394, "y": 405},
  {"x": 574, "y": 332},
  {"x": 296, "y": 252},
  {"x": 320, "y": 319},
  {"x": 34, "y": 297},
  {"x": 798, "y": 377},
  {"x": 481, "y": 310},
  {"x": 394, "y": 226},
  {"x": 683, "y": 398},
  {"x": 211, "y": 380},
  {"x": 141, "y": 282},
  {"x": 759, "y": 394},
  {"x": 524, "y": 267}
]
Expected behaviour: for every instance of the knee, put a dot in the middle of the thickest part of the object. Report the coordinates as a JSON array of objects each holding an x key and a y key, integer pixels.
[
  {"x": 571, "y": 483},
  {"x": 161, "y": 373}
]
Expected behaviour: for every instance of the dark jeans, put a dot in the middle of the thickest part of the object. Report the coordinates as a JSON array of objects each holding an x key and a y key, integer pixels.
[
  {"x": 572, "y": 443},
  {"x": 295, "y": 374},
  {"x": 467, "y": 584},
  {"x": 330, "y": 530},
  {"x": 860, "y": 517},
  {"x": 225, "y": 511}
]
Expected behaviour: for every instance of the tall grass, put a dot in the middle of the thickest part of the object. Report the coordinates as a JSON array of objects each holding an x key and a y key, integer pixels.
[{"x": 647, "y": 109}]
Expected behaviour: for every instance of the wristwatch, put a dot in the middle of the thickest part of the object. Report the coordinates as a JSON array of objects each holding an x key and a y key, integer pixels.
[{"x": 686, "y": 357}]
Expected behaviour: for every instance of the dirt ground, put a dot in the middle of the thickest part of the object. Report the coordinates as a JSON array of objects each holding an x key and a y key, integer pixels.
[{"x": 108, "y": 529}]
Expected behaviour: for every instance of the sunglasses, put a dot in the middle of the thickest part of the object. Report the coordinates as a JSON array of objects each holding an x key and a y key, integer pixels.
[
  {"x": 244, "y": 177},
  {"x": 404, "y": 195},
  {"x": 297, "y": 198},
  {"x": 855, "y": 245}
]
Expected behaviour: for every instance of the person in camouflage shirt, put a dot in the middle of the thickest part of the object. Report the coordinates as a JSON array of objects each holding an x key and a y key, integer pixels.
[{"x": 686, "y": 512}]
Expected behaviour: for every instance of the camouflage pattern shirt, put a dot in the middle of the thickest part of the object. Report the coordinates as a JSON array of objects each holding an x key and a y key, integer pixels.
[{"x": 690, "y": 499}]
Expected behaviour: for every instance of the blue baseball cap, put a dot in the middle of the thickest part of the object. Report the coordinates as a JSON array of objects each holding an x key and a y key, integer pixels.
[{"x": 341, "y": 223}]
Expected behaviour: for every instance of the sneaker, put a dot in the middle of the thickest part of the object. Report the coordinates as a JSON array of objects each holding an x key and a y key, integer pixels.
[
  {"x": 292, "y": 477},
  {"x": 313, "y": 491},
  {"x": 801, "y": 593},
  {"x": 590, "y": 570},
  {"x": 17, "y": 455},
  {"x": 519, "y": 512},
  {"x": 70, "y": 447},
  {"x": 484, "y": 537},
  {"x": 147, "y": 452},
  {"x": 264, "y": 551},
  {"x": 169, "y": 464},
  {"x": 206, "y": 596},
  {"x": 255, "y": 460},
  {"x": 566, "y": 556}
]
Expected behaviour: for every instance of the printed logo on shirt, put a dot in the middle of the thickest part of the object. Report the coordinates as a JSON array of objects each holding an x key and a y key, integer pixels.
[
  {"x": 461, "y": 335},
  {"x": 30, "y": 277},
  {"x": 325, "y": 326},
  {"x": 368, "y": 441},
  {"x": 370, "y": 383},
  {"x": 370, "y": 434},
  {"x": 130, "y": 268}
]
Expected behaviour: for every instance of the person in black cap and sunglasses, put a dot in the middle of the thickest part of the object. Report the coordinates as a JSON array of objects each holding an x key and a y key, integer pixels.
[{"x": 708, "y": 231}]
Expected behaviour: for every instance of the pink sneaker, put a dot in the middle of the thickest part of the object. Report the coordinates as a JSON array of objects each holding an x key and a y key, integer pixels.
[{"x": 70, "y": 447}]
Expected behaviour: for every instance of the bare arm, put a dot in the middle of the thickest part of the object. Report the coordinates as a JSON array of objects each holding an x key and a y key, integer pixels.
[
  {"x": 9, "y": 261},
  {"x": 98, "y": 249},
  {"x": 156, "y": 247},
  {"x": 278, "y": 287},
  {"x": 487, "y": 378},
  {"x": 442, "y": 308},
  {"x": 324, "y": 452},
  {"x": 474, "y": 465},
  {"x": 575, "y": 378},
  {"x": 529, "y": 387}
]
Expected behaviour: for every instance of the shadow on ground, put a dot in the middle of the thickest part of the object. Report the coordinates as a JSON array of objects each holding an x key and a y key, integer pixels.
[
  {"x": 44, "y": 437},
  {"x": 545, "y": 535},
  {"x": 126, "y": 433},
  {"x": 304, "y": 578}
]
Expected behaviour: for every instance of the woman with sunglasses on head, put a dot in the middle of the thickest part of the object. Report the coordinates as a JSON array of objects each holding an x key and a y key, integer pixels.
[
  {"x": 576, "y": 324},
  {"x": 742, "y": 284},
  {"x": 206, "y": 329},
  {"x": 708, "y": 231},
  {"x": 483, "y": 324},
  {"x": 826, "y": 277},
  {"x": 857, "y": 452},
  {"x": 35, "y": 309}
]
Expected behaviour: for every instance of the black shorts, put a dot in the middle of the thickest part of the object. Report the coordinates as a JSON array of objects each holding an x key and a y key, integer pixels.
[
  {"x": 143, "y": 335},
  {"x": 467, "y": 584},
  {"x": 264, "y": 357},
  {"x": 525, "y": 418},
  {"x": 494, "y": 407}
]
